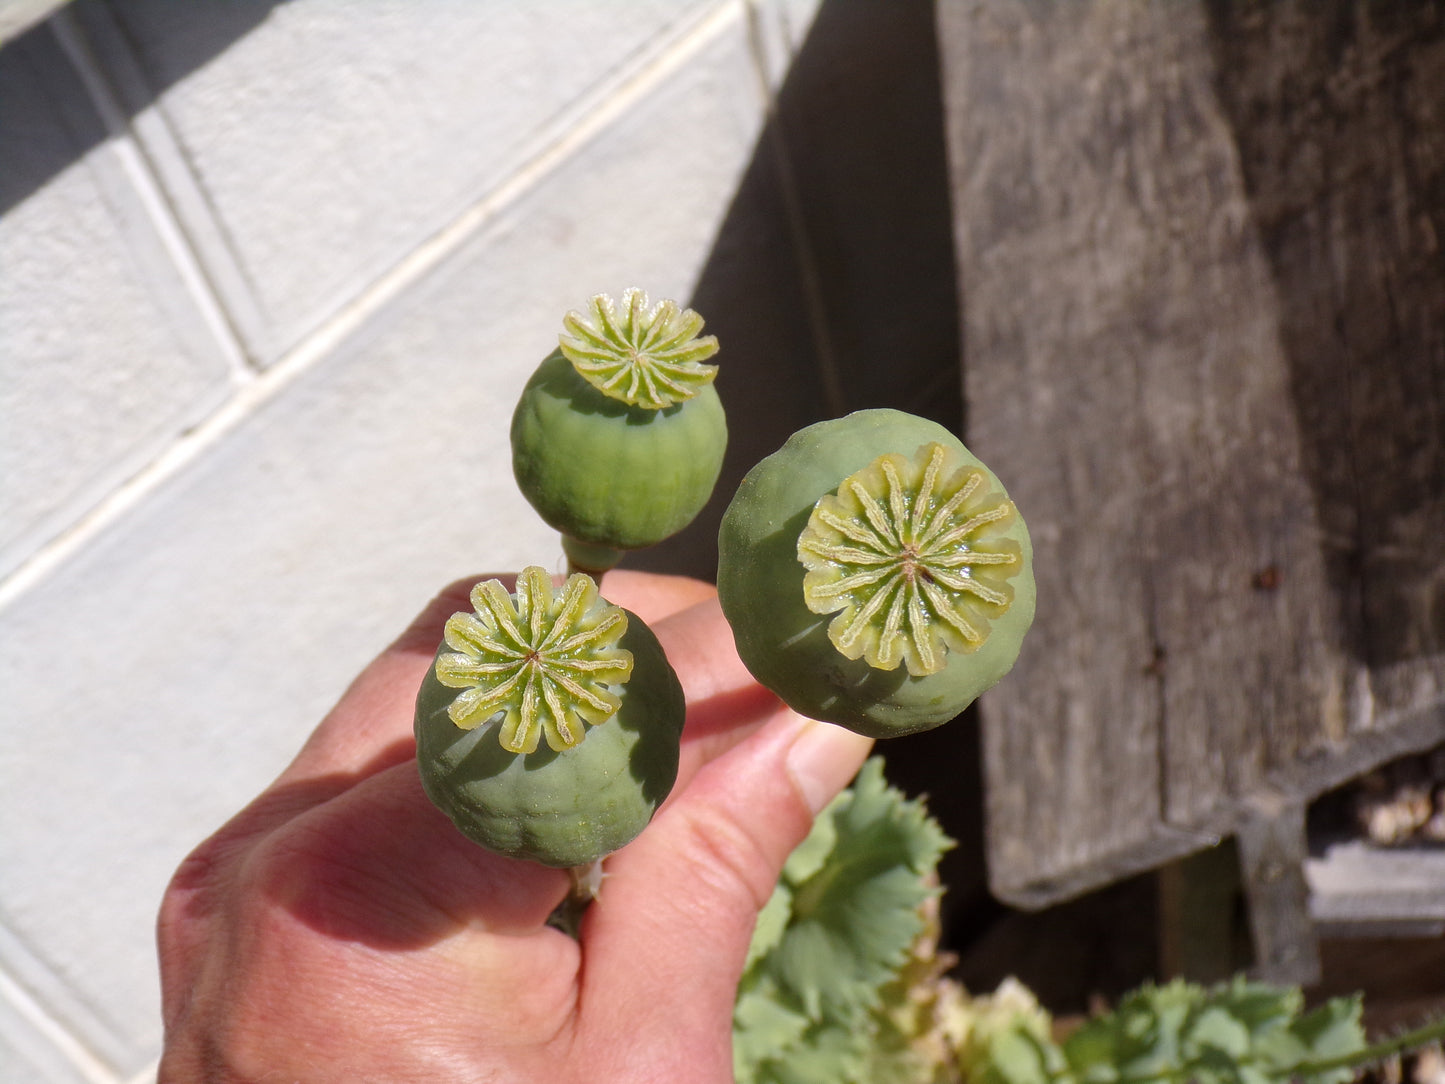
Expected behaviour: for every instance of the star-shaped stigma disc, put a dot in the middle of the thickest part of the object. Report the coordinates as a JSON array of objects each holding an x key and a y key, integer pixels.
[
  {"x": 909, "y": 554},
  {"x": 646, "y": 358},
  {"x": 544, "y": 661}
]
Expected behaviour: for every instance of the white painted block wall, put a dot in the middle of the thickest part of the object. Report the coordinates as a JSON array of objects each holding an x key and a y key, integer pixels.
[{"x": 271, "y": 276}]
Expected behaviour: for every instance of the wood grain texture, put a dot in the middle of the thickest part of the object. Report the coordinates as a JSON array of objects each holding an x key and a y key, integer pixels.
[
  {"x": 1338, "y": 111},
  {"x": 1230, "y": 605},
  {"x": 1272, "y": 853}
]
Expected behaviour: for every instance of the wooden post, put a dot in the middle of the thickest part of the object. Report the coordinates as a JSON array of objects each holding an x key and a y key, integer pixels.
[
  {"x": 1272, "y": 852},
  {"x": 1201, "y": 257}
]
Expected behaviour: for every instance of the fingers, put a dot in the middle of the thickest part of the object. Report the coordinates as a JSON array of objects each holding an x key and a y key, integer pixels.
[
  {"x": 383, "y": 866},
  {"x": 370, "y": 729},
  {"x": 724, "y": 703},
  {"x": 664, "y": 944},
  {"x": 654, "y": 597},
  {"x": 424, "y": 633},
  {"x": 356, "y": 790},
  {"x": 699, "y": 645}
]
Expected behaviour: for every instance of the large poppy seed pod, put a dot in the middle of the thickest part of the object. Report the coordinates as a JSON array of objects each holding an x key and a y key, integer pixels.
[
  {"x": 549, "y": 724},
  {"x": 618, "y": 437},
  {"x": 875, "y": 573}
]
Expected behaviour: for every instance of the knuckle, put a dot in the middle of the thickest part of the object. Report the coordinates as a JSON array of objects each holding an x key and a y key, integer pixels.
[{"x": 730, "y": 857}]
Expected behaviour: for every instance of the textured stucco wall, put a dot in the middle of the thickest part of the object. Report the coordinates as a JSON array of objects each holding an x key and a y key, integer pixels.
[{"x": 271, "y": 275}]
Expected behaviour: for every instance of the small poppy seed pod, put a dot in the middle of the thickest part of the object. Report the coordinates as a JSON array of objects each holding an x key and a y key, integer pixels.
[
  {"x": 875, "y": 574},
  {"x": 548, "y": 727},
  {"x": 618, "y": 437}
]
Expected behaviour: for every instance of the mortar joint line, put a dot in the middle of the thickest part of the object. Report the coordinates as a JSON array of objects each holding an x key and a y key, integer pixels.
[
  {"x": 85, "y": 1061},
  {"x": 176, "y": 240}
]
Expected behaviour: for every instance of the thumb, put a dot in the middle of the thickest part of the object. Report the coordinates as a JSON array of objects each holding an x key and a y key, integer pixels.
[{"x": 664, "y": 944}]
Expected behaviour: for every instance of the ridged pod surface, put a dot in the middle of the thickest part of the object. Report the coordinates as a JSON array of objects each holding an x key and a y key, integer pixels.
[
  {"x": 875, "y": 573},
  {"x": 562, "y": 807},
  {"x": 618, "y": 437}
]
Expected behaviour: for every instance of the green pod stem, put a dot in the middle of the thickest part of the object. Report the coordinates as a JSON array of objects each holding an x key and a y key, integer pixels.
[
  {"x": 589, "y": 557},
  {"x": 787, "y": 646},
  {"x": 560, "y": 808},
  {"x": 605, "y": 473}
]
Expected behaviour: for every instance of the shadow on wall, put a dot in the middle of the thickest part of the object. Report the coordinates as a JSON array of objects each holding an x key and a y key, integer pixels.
[
  {"x": 830, "y": 285},
  {"x": 35, "y": 64},
  {"x": 831, "y": 288}
]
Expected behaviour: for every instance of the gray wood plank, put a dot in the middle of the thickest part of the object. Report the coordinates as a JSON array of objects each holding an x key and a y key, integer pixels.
[
  {"x": 1141, "y": 327},
  {"x": 1356, "y": 888},
  {"x": 1337, "y": 112}
]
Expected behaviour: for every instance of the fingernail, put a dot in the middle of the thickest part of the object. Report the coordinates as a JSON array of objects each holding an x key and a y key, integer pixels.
[{"x": 823, "y": 759}]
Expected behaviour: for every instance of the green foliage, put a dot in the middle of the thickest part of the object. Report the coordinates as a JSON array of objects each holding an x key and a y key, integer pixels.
[
  {"x": 835, "y": 934},
  {"x": 1238, "y": 1033},
  {"x": 1000, "y": 1038},
  {"x": 844, "y": 984}
]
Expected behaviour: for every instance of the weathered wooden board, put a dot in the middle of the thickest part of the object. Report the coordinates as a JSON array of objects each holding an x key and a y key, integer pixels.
[{"x": 1203, "y": 304}]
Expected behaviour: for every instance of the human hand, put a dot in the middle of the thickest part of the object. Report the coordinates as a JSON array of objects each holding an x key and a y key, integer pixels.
[{"x": 341, "y": 929}]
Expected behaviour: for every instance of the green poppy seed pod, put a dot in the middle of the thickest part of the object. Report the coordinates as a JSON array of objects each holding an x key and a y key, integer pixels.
[
  {"x": 618, "y": 438},
  {"x": 548, "y": 726},
  {"x": 875, "y": 574}
]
